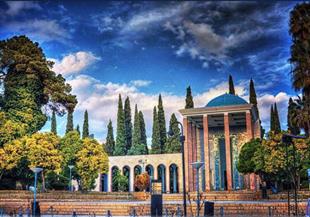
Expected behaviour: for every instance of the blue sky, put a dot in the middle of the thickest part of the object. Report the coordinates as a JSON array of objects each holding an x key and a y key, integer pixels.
[{"x": 141, "y": 49}]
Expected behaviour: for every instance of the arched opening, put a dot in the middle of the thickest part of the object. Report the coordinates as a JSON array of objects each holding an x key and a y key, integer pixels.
[
  {"x": 162, "y": 176},
  {"x": 126, "y": 172},
  {"x": 104, "y": 182},
  {"x": 150, "y": 171},
  {"x": 174, "y": 177},
  {"x": 114, "y": 172},
  {"x": 137, "y": 171}
]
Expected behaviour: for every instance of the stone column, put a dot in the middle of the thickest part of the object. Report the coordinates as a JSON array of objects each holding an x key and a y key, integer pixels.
[
  {"x": 189, "y": 153},
  {"x": 131, "y": 179},
  {"x": 186, "y": 172},
  {"x": 110, "y": 180},
  {"x": 249, "y": 129},
  {"x": 206, "y": 152},
  {"x": 194, "y": 159},
  {"x": 155, "y": 172},
  {"x": 167, "y": 179},
  {"x": 228, "y": 152}
]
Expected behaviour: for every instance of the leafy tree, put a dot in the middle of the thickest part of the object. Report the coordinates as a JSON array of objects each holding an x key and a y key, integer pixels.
[
  {"x": 161, "y": 124},
  {"x": 142, "y": 132},
  {"x": 277, "y": 126},
  {"x": 291, "y": 124},
  {"x": 142, "y": 181},
  {"x": 43, "y": 153},
  {"x": 231, "y": 85},
  {"x": 78, "y": 129},
  {"x": 120, "y": 182},
  {"x": 128, "y": 124},
  {"x": 246, "y": 163},
  {"x": 53, "y": 123},
  {"x": 85, "y": 133},
  {"x": 136, "y": 139},
  {"x": 173, "y": 144},
  {"x": 110, "y": 143},
  {"x": 155, "y": 134},
  {"x": 189, "y": 103},
  {"x": 69, "y": 126},
  {"x": 70, "y": 144},
  {"x": 29, "y": 84},
  {"x": 120, "y": 145},
  {"x": 272, "y": 121},
  {"x": 90, "y": 161}
]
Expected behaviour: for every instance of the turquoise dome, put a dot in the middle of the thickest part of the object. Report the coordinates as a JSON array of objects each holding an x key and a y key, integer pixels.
[{"x": 226, "y": 100}]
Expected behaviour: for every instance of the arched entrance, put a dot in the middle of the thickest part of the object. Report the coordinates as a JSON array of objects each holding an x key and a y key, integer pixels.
[
  {"x": 137, "y": 171},
  {"x": 174, "y": 177},
  {"x": 162, "y": 176},
  {"x": 104, "y": 182},
  {"x": 114, "y": 170},
  {"x": 126, "y": 172},
  {"x": 150, "y": 171}
]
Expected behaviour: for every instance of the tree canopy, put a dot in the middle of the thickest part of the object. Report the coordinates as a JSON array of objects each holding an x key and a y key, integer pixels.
[{"x": 189, "y": 103}]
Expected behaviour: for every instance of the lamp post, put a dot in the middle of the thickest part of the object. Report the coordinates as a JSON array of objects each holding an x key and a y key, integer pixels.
[
  {"x": 287, "y": 139},
  {"x": 36, "y": 170},
  {"x": 70, "y": 181},
  {"x": 182, "y": 140},
  {"x": 197, "y": 166}
]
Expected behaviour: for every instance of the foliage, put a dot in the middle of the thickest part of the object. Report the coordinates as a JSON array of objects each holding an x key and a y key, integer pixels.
[
  {"x": 231, "y": 85},
  {"x": 120, "y": 182},
  {"x": 29, "y": 84},
  {"x": 277, "y": 125},
  {"x": 128, "y": 124},
  {"x": 69, "y": 126},
  {"x": 246, "y": 163},
  {"x": 136, "y": 139},
  {"x": 173, "y": 144},
  {"x": 142, "y": 132},
  {"x": 155, "y": 134},
  {"x": 291, "y": 117},
  {"x": 161, "y": 124},
  {"x": 110, "y": 143},
  {"x": 189, "y": 103},
  {"x": 53, "y": 123},
  {"x": 253, "y": 98},
  {"x": 142, "y": 181},
  {"x": 70, "y": 144},
  {"x": 85, "y": 132},
  {"x": 300, "y": 115},
  {"x": 90, "y": 161},
  {"x": 120, "y": 148},
  {"x": 272, "y": 123},
  {"x": 78, "y": 129}
]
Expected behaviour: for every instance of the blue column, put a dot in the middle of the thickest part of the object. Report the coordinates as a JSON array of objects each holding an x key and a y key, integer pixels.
[
  {"x": 174, "y": 179},
  {"x": 163, "y": 178}
]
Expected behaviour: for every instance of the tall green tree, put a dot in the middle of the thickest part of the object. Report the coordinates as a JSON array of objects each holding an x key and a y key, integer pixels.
[
  {"x": 29, "y": 84},
  {"x": 120, "y": 144},
  {"x": 78, "y": 129},
  {"x": 136, "y": 138},
  {"x": 277, "y": 125},
  {"x": 173, "y": 144},
  {"x": 155, "y": 133},
  {"x": 53, "y": 123},
  {"x": 189, "y": 103},
  {"x": 253, "y": 98},
  {"x": 110, "y": 143},
  {"x": 231, "y": 85},
  {"x": 291, "y": 124},
  {"x": 85, "y": 133},
  {"x": 272, "y": 121},
  {"x": 128, "y": 124},
  {"x": 69, "y": 126},
  {"x": 143, "y": 132},
  {"x": 162, "y": 124}
]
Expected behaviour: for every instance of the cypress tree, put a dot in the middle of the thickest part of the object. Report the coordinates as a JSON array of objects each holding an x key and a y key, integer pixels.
[
  {"x": 290, "y": 114},
  {"x": 69, "y": 126},
  {"x": 120, "y": 144},
  {"x": 161, "y": 124},
  {"x": 142, "y": 132},
  {"x": 189, "y": 98},
  {"x": 277, "y": 125},
  {"x": 128, "y": 124},
  {"x": 78, "y": 129},
  {"x": 231, "y": 86},
  {"x": 253, "y": 98},
  {"x": 136, "y": 138},
  {"x": 110, "y": 143},
  {"x": 85, "y": 133},
  {"x": 271, "y": 118},
  {"x": 53, "y": 123},
  {"x": 173, "y": 144},
  {"x": 155, "y": 133}
]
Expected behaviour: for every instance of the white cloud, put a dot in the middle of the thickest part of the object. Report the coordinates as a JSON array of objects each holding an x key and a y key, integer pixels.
[
  {"x": 15, "y": 7},
  {"x": 74, "y": 63},
  {"x": 141, "y": 83},
  {"x": 39, "y": 30}
]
